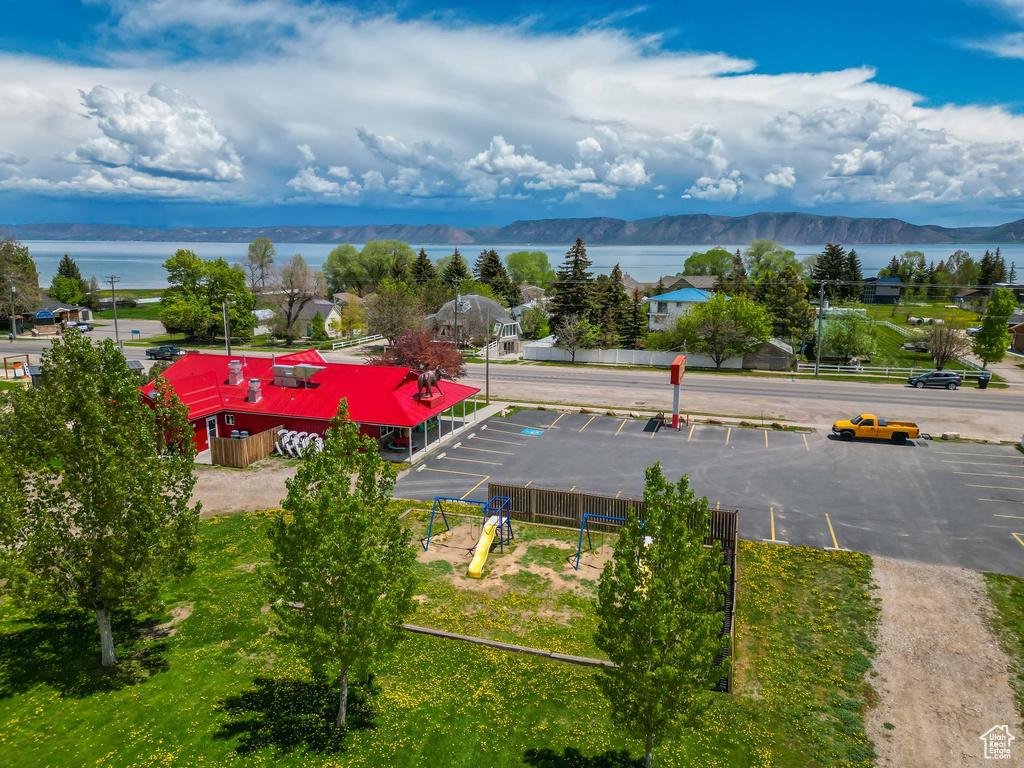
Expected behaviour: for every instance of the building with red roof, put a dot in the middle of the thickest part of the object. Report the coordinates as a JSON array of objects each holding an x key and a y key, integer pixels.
[{"x": 301, "y": 392}]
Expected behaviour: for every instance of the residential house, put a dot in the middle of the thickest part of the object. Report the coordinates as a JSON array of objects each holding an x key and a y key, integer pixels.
[
  {"x": 330, "y": 311},
  {"x": 1017, "y": 337},
  {"x": 881, "y": 290},
  {"x": 56, "y": 313},
  {"x": 664, "y": 310},
  {"x": 700, "y": 282},
  {"x": 471, "y": 323},
  {"x": 264, "y": 321}
]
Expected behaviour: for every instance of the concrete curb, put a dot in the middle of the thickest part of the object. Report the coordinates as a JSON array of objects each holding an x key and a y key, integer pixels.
[{"x": 563, "y": 657}]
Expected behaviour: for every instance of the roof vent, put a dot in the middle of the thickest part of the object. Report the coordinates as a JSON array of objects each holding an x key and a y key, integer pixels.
[
  {"x": 235, "y": 373},
  {"x": 294, "y": 376},
  {"x": 255, "y": 394}
]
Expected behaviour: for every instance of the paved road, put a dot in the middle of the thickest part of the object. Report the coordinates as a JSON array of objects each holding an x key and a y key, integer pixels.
[{"x": 985, "y": 414}]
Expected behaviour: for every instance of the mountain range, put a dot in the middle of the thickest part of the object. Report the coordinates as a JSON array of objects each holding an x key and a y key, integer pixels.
[{"x": 694, "y": 229}]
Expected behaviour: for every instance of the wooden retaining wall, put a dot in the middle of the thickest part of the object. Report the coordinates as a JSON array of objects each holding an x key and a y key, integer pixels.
[
  {"x": 240, "y": 453},
  {"x": 566, "y": 509}
]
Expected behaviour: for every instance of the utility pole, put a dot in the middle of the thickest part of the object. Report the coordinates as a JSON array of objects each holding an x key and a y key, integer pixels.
[
  {"x": 487, "y": 360},
  {"x": 821, "y": 317},
  {"x": 113, "y": 301},
  {"x": 458, "y": 300},
  {"x": 227, "y": 327},
  {"x": 14, "y": 322}
]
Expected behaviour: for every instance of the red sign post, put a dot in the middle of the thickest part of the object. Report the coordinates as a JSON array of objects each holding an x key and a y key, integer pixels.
[{"x": 678, "y": 371}]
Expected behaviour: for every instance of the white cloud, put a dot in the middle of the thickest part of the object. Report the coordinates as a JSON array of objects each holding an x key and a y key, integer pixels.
[
  {"x": 162, "y": 132},
  {"x": 781, "y": 176},
  {"x": 9, "y": 158},
  {"x": 538, "y": 116}
]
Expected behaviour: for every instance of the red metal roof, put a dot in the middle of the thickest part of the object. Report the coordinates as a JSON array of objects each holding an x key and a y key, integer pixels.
[{"x": 376, "y": 394}]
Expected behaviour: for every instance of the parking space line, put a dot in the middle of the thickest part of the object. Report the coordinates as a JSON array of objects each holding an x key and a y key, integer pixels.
[
  {"x": 1017, "y": 536},
  {"x": 528, "y": 483},
  {"x": 728, "y": 432},
  {"x": 474, "y": 461},
  {"x": 621, "y": 426},
  {"x": 988, "y": 474},
  {"x": 487, "y": 450},
  {"x": 692, "y": 427},
  {"x": 618, "y": 493},
  {"x": 488, "y": 477},
  {"x": 831, "y": 530},
  {"x": 982, "y": 463},
  {"x": 805, "y": 442},
  {"x": 549, "y": 426},
  {"x": 506, "y": 432},
  {"x": 766, "y": 445},
  {"x": 588, "y": 423},
  {"x": 492, "y": 440},
  {"x": 516, "y": 424},
  {"x": 771, "y": 511},
  {"x": 454, "y": 472},
  {"x": 572, "y": 489},
  {"x": 965, "y": 453},
  {"x": 1002, "y": 501},
  {"x": 995, "y": 487}
]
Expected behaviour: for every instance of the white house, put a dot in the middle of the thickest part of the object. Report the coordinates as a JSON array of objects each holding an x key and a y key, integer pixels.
[{"x": 664, "y": 310}]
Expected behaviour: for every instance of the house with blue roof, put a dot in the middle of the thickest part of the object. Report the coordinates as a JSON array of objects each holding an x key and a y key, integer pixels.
[
  {"x": 881, "y": 290},
  {"x": 664, "y": 310}
]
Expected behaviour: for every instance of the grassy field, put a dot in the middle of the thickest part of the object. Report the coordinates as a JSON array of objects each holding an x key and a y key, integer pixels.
[
  {"x": 223, "y": 691},
  {"x": 143, "y": 312},
  {"x": 1007, "y": 596}
]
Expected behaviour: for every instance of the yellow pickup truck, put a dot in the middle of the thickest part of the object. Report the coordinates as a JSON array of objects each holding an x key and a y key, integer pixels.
[{"x": 869, "y": 425}]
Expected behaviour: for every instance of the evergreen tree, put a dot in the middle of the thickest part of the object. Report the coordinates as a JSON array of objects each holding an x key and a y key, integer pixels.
[
  {"x": 785, "y": 297},
  {"x": 635, "y": 328},
  {"x": 891, "y": 270},
  {"x": 659, "y": 289},
  {"x": 832, "y": 267},
  {"x": 610, "y": 300},
  {"x": 608, "y": 335},
  {"x": 1012, "y": 277},
  {"x": 422, "y": 269},
  {"x": 490, "y": 271},
  {"x": 68, "y": 268},
  {"x": 456, "y": 270},
  {"x": 854, "y": 276},
  {"x": 987, "y": 270},
  {"x": 738, "y": 275},
  {"x": 999, "y": 266},
  {"x": 573, "y": 291}
]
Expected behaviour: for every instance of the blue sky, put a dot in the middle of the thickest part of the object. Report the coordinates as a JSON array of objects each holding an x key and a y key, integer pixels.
[{"x": 261, "y": 112}]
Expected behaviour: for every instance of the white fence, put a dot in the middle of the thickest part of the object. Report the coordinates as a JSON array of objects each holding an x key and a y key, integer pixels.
[
  {"x": 545, "y": 352},
  {"x": 898, "y": 329},
  {"x": 355, "y": 342},
  {"x": 877, "y": 370}
]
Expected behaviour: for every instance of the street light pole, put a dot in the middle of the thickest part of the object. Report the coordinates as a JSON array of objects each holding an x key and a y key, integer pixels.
[
  {"x": 487, "y": 361},
  {"x": 458, "y": 300},
  {"x": 113, "y": 301},
  {"x": 227, "y": 328},
  {"x": 821, "y": 316},
  {"x": 14, "y": 323}
]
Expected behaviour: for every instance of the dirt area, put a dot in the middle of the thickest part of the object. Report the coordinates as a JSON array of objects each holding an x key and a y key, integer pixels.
[
  {"x": 457, "y": 545},
  {"x": 169, "y": 628},
  {"x": 941, "y": 677},
  {"x": 223, "y": 490}
]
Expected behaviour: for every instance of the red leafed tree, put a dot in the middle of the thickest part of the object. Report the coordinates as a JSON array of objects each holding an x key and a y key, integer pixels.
[{"x": 417, "y": 349}]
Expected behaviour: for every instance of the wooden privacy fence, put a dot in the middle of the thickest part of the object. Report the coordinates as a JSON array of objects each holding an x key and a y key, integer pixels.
[
  {"x": 241, "y": 452},
  {"x": 567, "y": 508}
]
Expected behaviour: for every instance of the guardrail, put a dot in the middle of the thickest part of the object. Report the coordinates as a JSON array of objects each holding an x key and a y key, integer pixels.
[
  {"x": 355, "y": 342},
  {"x": 877, "y": 370}
]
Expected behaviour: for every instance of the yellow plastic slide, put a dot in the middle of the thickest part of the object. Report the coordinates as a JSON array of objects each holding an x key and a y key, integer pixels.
[{"x": 476, "y": 568}]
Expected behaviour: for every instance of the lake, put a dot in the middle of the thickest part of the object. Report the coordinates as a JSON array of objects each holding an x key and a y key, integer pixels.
[{"x": 139, "y": 263}]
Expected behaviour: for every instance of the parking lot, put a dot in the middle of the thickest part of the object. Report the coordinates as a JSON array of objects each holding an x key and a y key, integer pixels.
[{"x": 929, "y": 501}]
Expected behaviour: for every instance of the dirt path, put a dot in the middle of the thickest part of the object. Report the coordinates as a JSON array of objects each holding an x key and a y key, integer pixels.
[
  {"x": 941, "y": 676},
  {"x": 223, "y": 490}
]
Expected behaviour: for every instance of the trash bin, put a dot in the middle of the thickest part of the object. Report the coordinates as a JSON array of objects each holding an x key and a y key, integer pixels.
[{"x": 983, "y": 380}]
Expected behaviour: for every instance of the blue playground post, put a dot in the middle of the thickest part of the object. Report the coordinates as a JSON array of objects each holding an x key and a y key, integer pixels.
[
  {"x": 500, "y": 505},
  {"x": 584, "y": 526}
]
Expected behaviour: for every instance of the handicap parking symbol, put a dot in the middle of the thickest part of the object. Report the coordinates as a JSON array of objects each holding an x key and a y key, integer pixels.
[{"x": 533, "y": 431}]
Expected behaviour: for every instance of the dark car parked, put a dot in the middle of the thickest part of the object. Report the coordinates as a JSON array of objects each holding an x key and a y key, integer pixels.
[
  {"x": 945, "y": 379},
  {"x": 81, "y": 327}
]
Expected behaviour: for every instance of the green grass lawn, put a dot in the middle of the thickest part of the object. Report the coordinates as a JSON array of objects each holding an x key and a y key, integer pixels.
[
  {"x": 143, "y": 312},
  {"x": 224, "y": 691},
  {"x": 1007, "y": 596}
]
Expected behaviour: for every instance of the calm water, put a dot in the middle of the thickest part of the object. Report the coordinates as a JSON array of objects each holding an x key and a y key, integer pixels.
[{"x": 139, "y": 264}]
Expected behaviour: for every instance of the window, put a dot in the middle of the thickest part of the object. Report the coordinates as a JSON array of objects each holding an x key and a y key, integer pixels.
[
  {"x": 868, "y": 423},
  {"x": 662, "y": 307},
  {"x": 229, "y": 419}
]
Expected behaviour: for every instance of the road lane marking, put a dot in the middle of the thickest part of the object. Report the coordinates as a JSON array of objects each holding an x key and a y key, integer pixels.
[
  {"x": 692, "y": 427},
  {"x": 528, "y": 482},
  {"x": 588, "y": 423},
  {"x": 475, "y": 461},
  {"x": 488, "y": 477},
  {"x": 766, "y": 445},
  {"x": 1017, "y": 536},
  {"x": 988, "y": 474},
  {"x": 549, "y": 426},
  {"x": 492, "y": 440},
  {"x": 454, "y": 472},
  {"x": 728, "y": 432},
  {"x": 995, "y": 487},
  {"x": 983, "y": 463},
  {"x": 1002, "y": 501},
  {"x": 621, "y": 426},
  {"x": 965, "y": 453},
  {"x": 1015, "y": 517},
  {"x": 831, "y": 530},
  {"x": 772, "y": 511},
  {"x": 488, "y": 450},
  {"x": 805, "y": 443}
]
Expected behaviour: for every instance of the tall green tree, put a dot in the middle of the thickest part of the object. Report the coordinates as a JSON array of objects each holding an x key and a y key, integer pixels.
[
  {"x": 293, "y": 286},
  {"x": 193, "y": 304},
  {"x": 340, "y": 577},
  {"x": 763, "y": 255},
  {"x": 68, "y": 268},
  {"x": 258, "y": 262},
  {"x": 531, "y": 267},
  {"x": 854, "y": 276},
  {"x": 716, "y": 261},
  {"x": 611, "y": 307},
  {"x": 723, "y": 327},
  {"x": 490, "y": 271},
  {"x": 634, "y": 330},
  {"x": 391, "y": 310},
  {"x": 659, "y": 613},
  {"x": 573, "y": 291},
  {"x": 785, "y": 297},
  {"x": 67, "y": 285},
  {"x": 832, "y": 268},
  {"x": 101, "y": 480},
  {"x": 422, "y": 269},
  {"x": 991, "y": 341},
  {"x": 737, "y": 277},
  {"x": 848, "y": 335},
  {"x": 360, "y": 272},
  {"x": 454, "y": 270},
  {"x": 17, "y": 267}
]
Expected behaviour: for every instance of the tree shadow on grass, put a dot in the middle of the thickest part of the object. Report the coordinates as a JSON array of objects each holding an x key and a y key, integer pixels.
[
  {"x": 294, "y": 714},
  {"x": 573, "y": 758},
  {"x": 61, "y": 649}
]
